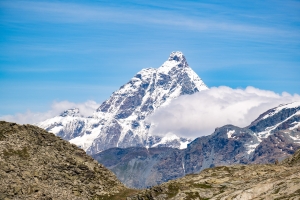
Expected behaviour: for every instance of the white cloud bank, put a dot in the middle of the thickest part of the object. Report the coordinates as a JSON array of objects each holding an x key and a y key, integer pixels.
[
  {"x": 86, "y": 109},
  {"x": 199, "y": 114},
  {"x": 189, "y": 115}
]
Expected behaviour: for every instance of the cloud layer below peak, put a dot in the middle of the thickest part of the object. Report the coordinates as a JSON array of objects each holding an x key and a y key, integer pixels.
[
  {"x": 188, "y": 116},
  {"x": 199, "y": 114},
  {"x": 86, "y": 109}
]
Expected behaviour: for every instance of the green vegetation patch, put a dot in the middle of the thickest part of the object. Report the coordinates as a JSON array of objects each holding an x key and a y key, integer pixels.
[
  {"x": 23, "y": 153},
  {"x": 201, "y": 185},
  {"x": 280, "y": 183},
  {"x": 277, "y": 190},
  {"x": 192, "y": 195},
  {"x": 221, "y": 168},
  {"x": 173, "y": 190},
  {"x": 2, "y": 135},
  {"x": 119, "y": 196},
  {"x": 192, "y": 174},
  {"x": 214, "y": 174}
]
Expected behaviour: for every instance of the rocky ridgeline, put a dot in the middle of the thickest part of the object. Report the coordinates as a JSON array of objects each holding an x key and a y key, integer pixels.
[
  {"x": 140, "y": 167},
  {"x": 268, "y": 181},
  {"x": 275, "y": 135},
  {"x": 35, "y": 164},
  {"x": 120, "y": 121}
]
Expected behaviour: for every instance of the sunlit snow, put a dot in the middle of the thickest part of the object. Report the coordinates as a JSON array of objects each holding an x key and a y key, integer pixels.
[{"x": 159, "y": 92}]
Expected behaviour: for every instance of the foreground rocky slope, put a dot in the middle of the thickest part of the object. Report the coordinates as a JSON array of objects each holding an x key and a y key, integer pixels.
[
  {"x": 120, "y": 120},
  {"x": 274, "y": 135},
  {"x": 35, "y": 164},
  {"x": 267, "y": 181}
]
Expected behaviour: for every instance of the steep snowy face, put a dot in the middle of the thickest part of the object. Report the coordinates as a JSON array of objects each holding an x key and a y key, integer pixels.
[
  {"x": 68, "y": 125},
  {"x": 283, "y": 117},
  {"x": 142, "y": 95},
  {"x": 74, "y": 112},
  {"x": 152, "y": 88},
  {"x": 120, "y": 120}
]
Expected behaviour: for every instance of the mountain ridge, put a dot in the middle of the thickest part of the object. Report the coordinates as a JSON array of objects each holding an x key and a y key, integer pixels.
[
  {"x": 36, "y": 164},
  {"x": 275, "y": 137},
  {"x": 240, "y": 182},
  {"x": 120, "y": 120}
]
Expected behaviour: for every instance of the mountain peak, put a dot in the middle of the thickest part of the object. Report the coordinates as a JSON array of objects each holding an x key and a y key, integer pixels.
[
  {"x": 120, "y": 121},
  {"x": 177, "y": 56},
  {"x": 176, "y": 63},
  {"x": 73, "y": 112}
]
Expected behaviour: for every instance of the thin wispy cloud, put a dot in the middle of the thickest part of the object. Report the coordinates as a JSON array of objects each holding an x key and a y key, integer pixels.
[
  {"x": 54, "y": 11},
  {"x": 79, "y": 13},
  {"x": 46, "y": 46}
]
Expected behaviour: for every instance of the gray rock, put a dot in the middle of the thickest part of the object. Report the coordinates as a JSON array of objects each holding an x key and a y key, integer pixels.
[
  {"x": 30, "y": 168},
  {"x": 226, "y": 146}
]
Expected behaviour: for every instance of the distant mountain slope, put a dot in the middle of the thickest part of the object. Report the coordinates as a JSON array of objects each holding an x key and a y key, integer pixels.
[
  {"x": 35, "y": 164},
  {"x": 240, "y": 182},
  {"x": 120, "y": 120},
  {"x": 273, "y": 136}
]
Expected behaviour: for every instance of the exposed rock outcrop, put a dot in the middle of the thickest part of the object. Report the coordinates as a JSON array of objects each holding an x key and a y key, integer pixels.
[
  {"x": 35, "y": 164},
  {"x": 240, "y": 182}
]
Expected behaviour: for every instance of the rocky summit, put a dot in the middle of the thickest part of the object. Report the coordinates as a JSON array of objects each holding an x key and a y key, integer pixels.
[
  {"x": 35, "y": 164},
  {"x": 273, "y": 136},
  {"x": 120, "y": 120},
  {"x": 239, "y": 182}
]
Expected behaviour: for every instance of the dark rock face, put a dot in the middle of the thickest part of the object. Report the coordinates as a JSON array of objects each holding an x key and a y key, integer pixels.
[
  {"x": 276, "y": 181},
  {"x": 139, "y": 166},
  {"x": 288, "y": 123},
  {"x": 275, "y": 147},
  {"x": 168, "y": 163},
  {"x": 260, "y": 124},
  {"x": 35, "y": 164},
  {"x": 226, "y": 146}
]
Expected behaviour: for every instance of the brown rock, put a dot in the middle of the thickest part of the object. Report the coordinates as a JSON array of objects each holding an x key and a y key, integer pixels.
[{"x": 35, "y": 164}]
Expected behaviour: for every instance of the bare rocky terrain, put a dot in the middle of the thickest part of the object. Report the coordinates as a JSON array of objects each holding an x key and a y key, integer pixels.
[
  {"x": 264, "y": 181},
  {"x": 36, "y": 164}
]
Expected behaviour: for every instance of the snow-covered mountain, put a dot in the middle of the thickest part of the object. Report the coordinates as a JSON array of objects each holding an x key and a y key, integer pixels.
[
  {"x": 120, "y": 120},
  {"x": 274, "y": 135}
]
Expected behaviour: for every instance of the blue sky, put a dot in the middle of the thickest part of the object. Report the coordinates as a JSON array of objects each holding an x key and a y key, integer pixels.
[{"x": 84, "y": 50}]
